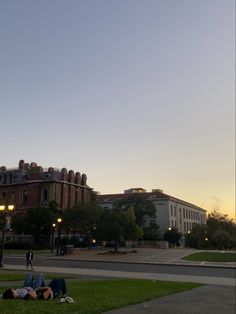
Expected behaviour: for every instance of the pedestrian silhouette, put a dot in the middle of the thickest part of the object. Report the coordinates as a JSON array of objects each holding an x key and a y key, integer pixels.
[{"x": 29, "y": 259}]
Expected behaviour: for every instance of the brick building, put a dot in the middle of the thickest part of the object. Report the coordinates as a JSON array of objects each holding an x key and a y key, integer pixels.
[{"x": 30, "y": 185}]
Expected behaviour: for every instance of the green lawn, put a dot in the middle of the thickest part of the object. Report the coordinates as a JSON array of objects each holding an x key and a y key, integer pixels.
[
  {"x": 97, "y": 296},
  {"x": 11, "y": 275},
  {"x": 211, "y": 257}
]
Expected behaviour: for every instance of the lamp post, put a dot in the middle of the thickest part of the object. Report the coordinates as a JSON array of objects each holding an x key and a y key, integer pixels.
[
  {"x": 52, "y": 243},
  {"x": 4, "y": 209},
  {"x": 59, "y": 220}
]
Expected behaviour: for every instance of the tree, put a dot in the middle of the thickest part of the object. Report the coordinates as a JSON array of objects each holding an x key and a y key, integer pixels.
[
  {"x": 36, "y": 222},
  {"x": 221, "y": 231},
  {"x": 173, "y": 237},
  {"x": 218, "y": 233},
  {"x": 130, "y": 230},
  {"x": 152, "y": 232},
  {"x": 54, "y": 207},
  {"x": 221, "y": 240},
  {"x": 197, "y": 238},
  {"x": 109, "y": 228},
  {"x": 142, "y": 207},
  {"x": 117, "y": 225},
  {"x": 18, "y": 223},
  {"x": 82, "y": 219}
]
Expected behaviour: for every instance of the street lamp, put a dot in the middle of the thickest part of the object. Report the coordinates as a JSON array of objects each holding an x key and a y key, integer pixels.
[
  {"x": 59, "y": 220},
  {"x": 52, "y": 243},
  {"x": 4, "y": 209}
]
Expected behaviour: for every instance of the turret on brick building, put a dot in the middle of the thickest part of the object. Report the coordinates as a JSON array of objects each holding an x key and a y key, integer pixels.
[{"x": 30, "y": 185}]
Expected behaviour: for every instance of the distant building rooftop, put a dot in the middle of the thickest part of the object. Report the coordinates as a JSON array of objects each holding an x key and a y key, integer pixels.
[{"x": 153, "y": 195}]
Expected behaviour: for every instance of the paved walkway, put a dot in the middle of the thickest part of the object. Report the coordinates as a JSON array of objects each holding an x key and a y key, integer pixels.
[
  {"x": 139, "y": 255},
  {"x": 218, "y": 297},
  {"x": 125, "y": 274},
  {"x": 143, "y": 255},
  {"x": 202, "y": 300}
]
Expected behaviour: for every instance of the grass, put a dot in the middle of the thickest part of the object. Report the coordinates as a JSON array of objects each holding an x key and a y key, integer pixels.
[
  {"x": 211, "y": 257},
  {"x": 98, "y": 296},
  {"x": 11, "y": 275}
]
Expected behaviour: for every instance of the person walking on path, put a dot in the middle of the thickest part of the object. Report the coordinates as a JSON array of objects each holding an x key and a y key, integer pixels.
[{"x": 29, "y": 259}]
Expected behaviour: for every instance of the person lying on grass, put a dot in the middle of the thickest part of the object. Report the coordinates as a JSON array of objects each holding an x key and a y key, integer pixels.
[{"x": 35, "y": 289}]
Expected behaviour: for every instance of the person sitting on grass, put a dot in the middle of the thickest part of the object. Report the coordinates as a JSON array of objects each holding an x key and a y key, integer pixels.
[{"x": 35, "y": 289}]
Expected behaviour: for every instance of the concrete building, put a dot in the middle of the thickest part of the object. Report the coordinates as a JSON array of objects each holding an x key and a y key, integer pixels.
[
  {"x": 30, "y": 185},
  {"x": 170, "y": 211}
]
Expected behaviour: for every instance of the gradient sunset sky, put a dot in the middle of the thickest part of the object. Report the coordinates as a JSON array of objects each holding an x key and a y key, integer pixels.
[{"x": 134, "y": 93}]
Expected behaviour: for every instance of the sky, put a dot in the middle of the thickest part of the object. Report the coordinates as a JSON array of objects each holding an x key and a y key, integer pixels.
[{"x": 134, "y": 93}]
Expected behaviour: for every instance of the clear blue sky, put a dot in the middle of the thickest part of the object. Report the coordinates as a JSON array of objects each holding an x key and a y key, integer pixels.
[{"x": 134, "y": 93}]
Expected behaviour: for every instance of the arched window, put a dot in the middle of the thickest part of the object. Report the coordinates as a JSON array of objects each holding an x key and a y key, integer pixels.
[
  {"x": 25, "y": 198},
  {"x": 45, "y": 195}
]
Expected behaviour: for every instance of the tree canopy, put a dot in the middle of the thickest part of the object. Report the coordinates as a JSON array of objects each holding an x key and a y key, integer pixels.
[
  {"x": 142, "y": 207},
  {"x": 173, "y": 237},
  {"x": 118, "y": 225},
  {"x": 218, "y": 233}
]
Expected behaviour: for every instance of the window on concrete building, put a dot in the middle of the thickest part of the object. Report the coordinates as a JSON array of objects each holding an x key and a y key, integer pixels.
[
  {"x": 180, "y": 216},
  {"x": 171, "y": 208},
  {"x": 175, "y": 210}
]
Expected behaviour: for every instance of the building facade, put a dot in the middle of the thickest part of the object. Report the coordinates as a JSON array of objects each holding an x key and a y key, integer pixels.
[
  {"x": 171, "y": 212},
  {"x": 30, "y": 185}
]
